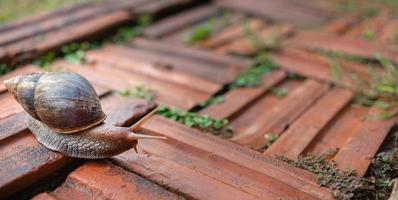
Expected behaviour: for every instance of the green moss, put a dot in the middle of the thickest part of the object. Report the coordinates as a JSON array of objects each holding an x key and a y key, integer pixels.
[
  {"x": 45, "y": 60},
  {"x": 205, "y": 30},
  {"x": 127, "y": 33},
  {"x": 345, "y": 184},
  {"x": 369, "y": 34},
  {"x": 261, "y": 65},
  {"x": 280, "y": 91},
  {"x": 381, "y": 90},
  {"x": 5, "y": 69},
  {"x": 139, "y": 92},
  {"x": 218, "y": 127},
  {"x": 212, "y": 101},
  {"x": 270, "y": 139},
  {"x": 74, "y": 52},
  {"x": 262, "y": 44},
  {"x": 199, "y": 33}
]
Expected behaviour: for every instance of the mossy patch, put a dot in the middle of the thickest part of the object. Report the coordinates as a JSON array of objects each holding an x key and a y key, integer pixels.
[
  {"x": 346, "y": 184},
  {"x": 218, "y": 127}
]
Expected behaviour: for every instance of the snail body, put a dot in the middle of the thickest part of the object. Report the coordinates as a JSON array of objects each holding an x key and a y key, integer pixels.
[{"x": 66, "y": 116}]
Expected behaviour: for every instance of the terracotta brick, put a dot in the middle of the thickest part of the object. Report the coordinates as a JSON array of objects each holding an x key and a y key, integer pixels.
[
  {"x": 277, "y": 119},
  {"x": 389, "y": 33},
  {"x": 12, "y": 125},
  {"x": 232, "y": 32},
  {"x": 103, "y": 180},
  {"x": 10, "y": 106},
  {"x": 165, "y": 7},
  {"x": 178, "y": 21},
  {"x": 294, "y": 140},
  {"x": 337, "y": 132},
  {"x": 145, "y": 68},
  {"x": 359, "y": 150},
  {"x": 59, "y": 21},
  {"x": 244, "y": 46},
  {"x": 179, "y": 178},
  {"x": 220, "y": 169},
  {"x": 277, "y": 10},
  {"x": 24, "y": 161},
  {"x": 132, "y": 108},
  {"x": 120, "y": 80},
  {"x": 196, "y": 54},
  {"x": 353, "y": 46},
  {"x": 244, "y": 119},
  {"x": 313, "y": 65},
  {"x": 213, "y": 72},
  {"x": 41, "y": 17},
  {"x": 219, "y": 23},
  {"x": 73, "y": 32},
  {"x": 238, "y": 98},
  {"x": 218, "y": 148}
]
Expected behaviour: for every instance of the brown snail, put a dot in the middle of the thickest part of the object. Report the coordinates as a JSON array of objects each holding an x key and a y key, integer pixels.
[{"x": 66, "y": 116}]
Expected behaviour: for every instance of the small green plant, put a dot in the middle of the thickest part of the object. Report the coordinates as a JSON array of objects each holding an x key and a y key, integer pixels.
[
  {"x": 212, "y": 100},
  {"x": 344, "y": 56},
  {"x": 5, "y": 69},
  {"x": 370, "y": 12},
  {"x": 345, "y": 184},
  {"x": 380, "y": 90},
  {"x": 200, "y": 33},
  {"x": 127, "y": 33},
  {"x": 262, "y": 44},
  {"x": 45, "y": 60},
  {"x": 280, "y": 91},
  {"x": 261, "y": 65},
  {"x": 218, "y": 127},
  {"x": 139, "y": 92},
  {"x": 205, "y": 30},
  {"x": 74, "y": 52},
  {"x": 270, "y": 139},
  {"x": 369, "y": 34},
  {"x": 385, "y": 168}
]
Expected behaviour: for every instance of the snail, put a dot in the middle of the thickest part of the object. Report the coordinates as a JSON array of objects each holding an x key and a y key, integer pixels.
[{"x": 65, "y": 115}]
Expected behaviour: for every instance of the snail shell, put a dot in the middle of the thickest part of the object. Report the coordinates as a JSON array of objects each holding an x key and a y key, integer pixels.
[{"x": 64, "y": 101}]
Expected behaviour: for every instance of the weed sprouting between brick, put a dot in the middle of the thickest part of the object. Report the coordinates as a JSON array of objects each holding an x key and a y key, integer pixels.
[
  {"x": 139, "y": 92},
  {"x": 346, "y": 184},
  {"x": 218, "y": 127},
  {"x": 280, "y": 91},
  {"x": 380, "y": 90},
  {"x": 74, "y": 52},
  {"x": 204, "y": 31},
  {"x": 261, "y": 65},
  {"x": 212, "y": 100},
  {"x": 5, "y": 69}
]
